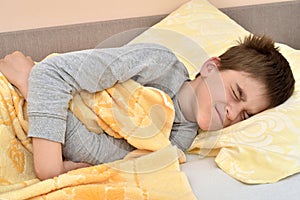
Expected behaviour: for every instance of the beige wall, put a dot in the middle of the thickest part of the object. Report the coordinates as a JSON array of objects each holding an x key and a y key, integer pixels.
[{"x": 28, "y": 14}]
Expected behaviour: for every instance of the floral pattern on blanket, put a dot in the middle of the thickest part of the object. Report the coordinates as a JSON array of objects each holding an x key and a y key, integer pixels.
[
  {"x": 152, "y": 176},
  {"x": 16, "y": 148}
]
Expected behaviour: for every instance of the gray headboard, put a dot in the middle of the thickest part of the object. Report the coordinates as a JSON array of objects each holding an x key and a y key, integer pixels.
[
  {"x": 279, "y": 20},
  {"x": 38, "y": 43}
]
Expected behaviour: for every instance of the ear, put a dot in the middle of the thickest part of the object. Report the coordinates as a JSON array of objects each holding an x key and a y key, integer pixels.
[{"x": 211, "y": 65}]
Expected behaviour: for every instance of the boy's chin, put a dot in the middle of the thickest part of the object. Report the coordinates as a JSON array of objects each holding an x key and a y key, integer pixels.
[{"x": 211, "y": 126}]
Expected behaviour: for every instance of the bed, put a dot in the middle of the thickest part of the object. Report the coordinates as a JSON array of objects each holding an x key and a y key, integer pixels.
[{"x": 199, "y": 25}]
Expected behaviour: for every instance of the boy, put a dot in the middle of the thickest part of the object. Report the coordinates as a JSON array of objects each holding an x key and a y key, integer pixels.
[{"x": 247, "y": 79}]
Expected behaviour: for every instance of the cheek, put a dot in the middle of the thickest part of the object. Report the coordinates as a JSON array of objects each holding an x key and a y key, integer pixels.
[
  {"x": 204, "y": 111},
  {"x": 217, "y": 93},
  {"x": 211, "y": 121},
  {"x": 204, "y": 102},
  {"x": 207, "y": 117}
]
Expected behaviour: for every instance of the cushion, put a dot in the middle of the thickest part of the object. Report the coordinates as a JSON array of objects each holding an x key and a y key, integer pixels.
[{"x": 262, "y": 149}]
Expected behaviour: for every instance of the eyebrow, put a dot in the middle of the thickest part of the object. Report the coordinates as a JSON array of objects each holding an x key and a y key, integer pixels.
[{"x": 242, "y": 93}]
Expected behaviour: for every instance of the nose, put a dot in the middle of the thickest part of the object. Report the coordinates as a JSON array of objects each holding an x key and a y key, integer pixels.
[{"x": 233, "y": 111}]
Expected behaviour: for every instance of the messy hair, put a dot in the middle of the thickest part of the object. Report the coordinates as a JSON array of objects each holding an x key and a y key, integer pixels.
[{"x": 258, "y": 56}]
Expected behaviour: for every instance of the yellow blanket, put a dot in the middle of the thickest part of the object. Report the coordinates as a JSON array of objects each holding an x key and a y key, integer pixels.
[
  {"x": 142, "y": 115},
  {"x": 144, "y": 120}
]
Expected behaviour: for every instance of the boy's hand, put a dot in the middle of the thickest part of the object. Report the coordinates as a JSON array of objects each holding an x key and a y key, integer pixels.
[
  {"x": 16, "y": 68},
  {"x": 69, "y": 165}
]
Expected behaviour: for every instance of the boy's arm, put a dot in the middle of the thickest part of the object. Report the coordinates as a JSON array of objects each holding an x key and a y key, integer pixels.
[
  {"x": 47, "y": 156},
  {"x": 48, "y": 161},
  {"x": 53, "y": 82},
  {"x": 16, "y": 68}
]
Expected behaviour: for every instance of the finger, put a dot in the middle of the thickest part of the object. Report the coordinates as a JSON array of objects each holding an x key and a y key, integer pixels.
[
  {"x": 29, "y": 58},
  {"x": 6, "y": 58},
  {"x": 11, "y": 56},
  {"x": 18, "y": 53}
]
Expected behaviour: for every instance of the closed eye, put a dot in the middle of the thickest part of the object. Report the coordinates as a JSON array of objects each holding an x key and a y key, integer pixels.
[
  {"x": 246, "y": 115},
  {"x": 234, "y": 94},
  {"x": 242, "y": 95}
]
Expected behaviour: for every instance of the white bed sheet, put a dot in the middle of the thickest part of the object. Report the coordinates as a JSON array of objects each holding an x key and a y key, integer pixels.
[{"x": 211, "y": 183}]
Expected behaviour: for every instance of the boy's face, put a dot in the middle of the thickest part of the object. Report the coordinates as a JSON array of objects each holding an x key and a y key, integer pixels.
[{"x": 227, "y": 97}]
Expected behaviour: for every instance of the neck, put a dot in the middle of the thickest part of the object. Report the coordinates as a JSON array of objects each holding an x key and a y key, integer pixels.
[{"x": 188, "y": 101}]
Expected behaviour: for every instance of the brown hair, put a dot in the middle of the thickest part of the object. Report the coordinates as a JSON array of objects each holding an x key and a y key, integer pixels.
[{"x": 258, "y": 56}]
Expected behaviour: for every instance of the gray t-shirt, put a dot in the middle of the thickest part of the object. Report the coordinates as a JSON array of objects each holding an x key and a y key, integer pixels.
[{"x": 53, "y": 82}]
